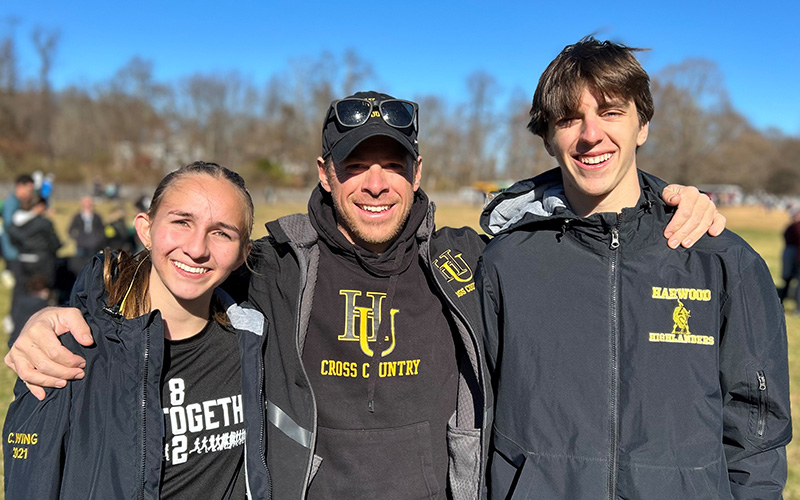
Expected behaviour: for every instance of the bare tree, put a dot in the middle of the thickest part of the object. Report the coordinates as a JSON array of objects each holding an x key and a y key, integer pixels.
[
  {"x": 525, "y": 155},
  {"x": 684, "y": 133},
  {"x": 45, "y": 42},
  {"x": 480, "y": 163}
]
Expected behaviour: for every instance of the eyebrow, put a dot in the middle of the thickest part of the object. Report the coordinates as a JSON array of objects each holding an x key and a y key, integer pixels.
[
  {"x": 190, "y": 215},
  {"x": 614, "y": 102}
]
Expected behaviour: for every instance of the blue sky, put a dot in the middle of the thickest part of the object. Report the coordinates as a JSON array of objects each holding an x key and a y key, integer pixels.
[{"x": 423, "y": 47}]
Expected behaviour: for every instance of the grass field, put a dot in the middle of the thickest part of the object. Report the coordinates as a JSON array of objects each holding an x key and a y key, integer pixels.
[{"x": 760, "y": 228}]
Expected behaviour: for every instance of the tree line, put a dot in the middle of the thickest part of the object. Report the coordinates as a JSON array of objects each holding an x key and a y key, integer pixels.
[{"x": 131, "y": 128}]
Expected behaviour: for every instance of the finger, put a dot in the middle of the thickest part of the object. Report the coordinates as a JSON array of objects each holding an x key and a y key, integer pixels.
[
  {"x": 703, "y": 223},
  {"x": 672, "y": 194},
  {"x": 682, "y": 220},
  {"x": 38, "y": 392},
  {"x": 717, "y": 224},
  {"x": 58, "y": 320},
  {"x": 71, "y": 320},
  {"x": 53, "y": 363}
]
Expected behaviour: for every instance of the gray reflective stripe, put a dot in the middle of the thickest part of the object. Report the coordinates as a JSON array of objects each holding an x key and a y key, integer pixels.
[
  {"x": 246, "y": 475},
  {"x": 284, "y": 422}
]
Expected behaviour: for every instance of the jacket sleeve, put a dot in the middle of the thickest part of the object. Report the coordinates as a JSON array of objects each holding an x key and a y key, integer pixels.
[
  {"x": 491, "y": 316},
  {"x": 754, "y": 379},
  {"x": 34, "y": 442}
]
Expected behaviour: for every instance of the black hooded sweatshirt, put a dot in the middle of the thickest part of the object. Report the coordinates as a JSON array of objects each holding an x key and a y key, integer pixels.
[{"x": 381, "y": 356}]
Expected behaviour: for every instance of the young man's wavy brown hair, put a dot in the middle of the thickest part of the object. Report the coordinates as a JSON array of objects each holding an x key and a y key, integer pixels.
[{"x": 607, "y": 69}]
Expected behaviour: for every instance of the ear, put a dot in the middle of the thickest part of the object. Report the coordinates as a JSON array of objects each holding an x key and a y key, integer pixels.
[
  {"x": 245, "y": 253},
  {"x": 142, "y": 225},
  {"x": 418, "y": 173},
  {"x": 642, "y": 136},
  {"x": 323, "y": 175},
  {"x": 547, "y": 145}
]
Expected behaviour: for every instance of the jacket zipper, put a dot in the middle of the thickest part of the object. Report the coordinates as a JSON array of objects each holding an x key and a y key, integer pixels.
[
  {"x": 302, "y": 260},
  {"x": 144, "y": 409},
  {"x": 762, "y": 403},
  {"x": 613, "y": 452},
  {"x": 263, "y": 419}
]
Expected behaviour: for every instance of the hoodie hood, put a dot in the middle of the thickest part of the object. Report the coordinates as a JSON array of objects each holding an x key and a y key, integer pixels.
[
  {"x": 394, "y": 260},
  {"x": 542, "y": 198}
]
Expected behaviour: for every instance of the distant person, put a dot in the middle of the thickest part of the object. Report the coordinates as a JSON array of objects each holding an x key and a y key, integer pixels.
[
  {"x": 37, "y": 243},
  {"x": 86, "y": 229},
  {"x": 35, "y": 298},
  {"x": 13, "y": 214},
  {"x": 791, "y": 260},
  {"x": 118, "y": 235}
]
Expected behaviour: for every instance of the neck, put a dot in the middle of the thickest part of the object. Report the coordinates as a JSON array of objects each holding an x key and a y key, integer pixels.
[
  {"x": 376, "y": 248},
  {"x": 624, "y": 195},
  {"x": 182, "y": 319}
]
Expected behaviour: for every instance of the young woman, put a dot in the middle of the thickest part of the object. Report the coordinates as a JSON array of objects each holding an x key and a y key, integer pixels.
[{"x": 160, "y": 413}]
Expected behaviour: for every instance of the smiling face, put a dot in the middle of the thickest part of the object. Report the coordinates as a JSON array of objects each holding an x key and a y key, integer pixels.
[
  {"x": 372, "y": 190},
  {"x": 196, "y": 239},
  {"x": 595, "y": 146}
]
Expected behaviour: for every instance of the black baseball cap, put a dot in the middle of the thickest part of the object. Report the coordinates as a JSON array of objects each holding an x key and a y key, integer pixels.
[{"x": 339, "y": 141}]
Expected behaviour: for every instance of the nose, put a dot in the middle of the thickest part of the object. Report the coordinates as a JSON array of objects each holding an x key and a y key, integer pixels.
[
  {"x": 591, "y": 130},
  {"x": 196, "y": 246},
  {"x": 375, "y": 181}
]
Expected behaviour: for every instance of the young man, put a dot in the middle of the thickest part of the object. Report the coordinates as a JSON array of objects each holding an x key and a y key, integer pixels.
[
  {"x": 669, "y": 380},
  {"x": 373, "y": 374}
]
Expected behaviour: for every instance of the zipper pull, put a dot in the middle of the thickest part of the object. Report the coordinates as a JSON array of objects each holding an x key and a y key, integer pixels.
[
  {"x": 614, "y": 239},
  {"x": 762, "y": 381}
]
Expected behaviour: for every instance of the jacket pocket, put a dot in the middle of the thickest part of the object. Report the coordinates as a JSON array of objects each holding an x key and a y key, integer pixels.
[
  {"x": 509, "y": 481},
  {"x": 464, "y": 471},
  {"x": 674, "y": 483},
  {"x": 394, "y": 463},
  {"x": 757, "y": 379}
]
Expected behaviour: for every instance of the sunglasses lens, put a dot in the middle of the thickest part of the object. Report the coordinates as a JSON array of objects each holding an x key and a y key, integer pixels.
[
  {"x": 353, "y": 112},
  {"x": 398, "y": 114}
]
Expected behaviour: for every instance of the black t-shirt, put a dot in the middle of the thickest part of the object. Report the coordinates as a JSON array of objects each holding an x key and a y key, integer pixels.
[
  {"x": 388, "y": 441},
  {"x": 201, "y": 395}
]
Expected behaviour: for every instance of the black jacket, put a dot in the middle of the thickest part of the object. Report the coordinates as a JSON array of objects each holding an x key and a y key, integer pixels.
[
  {"x": 72, "y": 446},
  {"x": 282, "y": 287},
  {"x": 624, "y": 369}
]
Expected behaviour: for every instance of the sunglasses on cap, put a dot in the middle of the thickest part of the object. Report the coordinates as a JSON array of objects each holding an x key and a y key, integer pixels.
[{"x": 354, "y": 112}]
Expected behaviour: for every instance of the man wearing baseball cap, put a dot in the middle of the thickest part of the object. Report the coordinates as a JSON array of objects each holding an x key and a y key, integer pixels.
[{"x": 372, "y": 369}]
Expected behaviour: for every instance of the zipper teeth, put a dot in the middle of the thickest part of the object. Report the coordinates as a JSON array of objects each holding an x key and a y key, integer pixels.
[
  {"x": 263, "y": 421},
  {"x": 762, "y": 403},
  {"x": 144, "y": 407},
  {"x": 614, "y": 369}
]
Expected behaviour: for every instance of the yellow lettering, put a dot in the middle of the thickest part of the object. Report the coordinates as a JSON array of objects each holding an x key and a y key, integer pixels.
[
  {"x": 656, "y": 292},
  {"x": 365, "y": 370}
]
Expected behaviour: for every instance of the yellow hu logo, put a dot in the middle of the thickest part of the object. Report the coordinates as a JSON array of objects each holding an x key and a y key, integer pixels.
[
  {"x": 361, "y": 324},
  {"x": 453, "y": 267},
  {"x": 680, "y": 318}
]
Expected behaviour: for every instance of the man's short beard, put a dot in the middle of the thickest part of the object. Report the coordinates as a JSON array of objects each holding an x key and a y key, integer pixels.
[{"x": 344, "y": 220}]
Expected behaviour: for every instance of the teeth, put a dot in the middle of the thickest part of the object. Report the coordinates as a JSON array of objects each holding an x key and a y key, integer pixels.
[
  {"x": 189, "y": 269},
  {"x": 375, "y": 209},
  {"x": 594, "y": 160}
]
